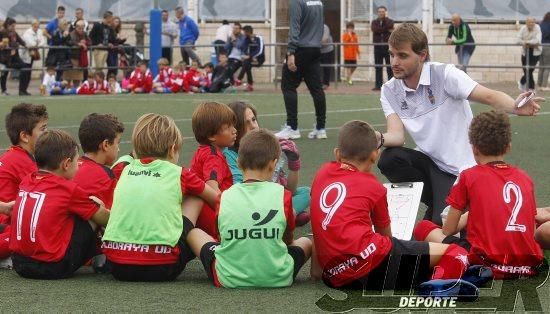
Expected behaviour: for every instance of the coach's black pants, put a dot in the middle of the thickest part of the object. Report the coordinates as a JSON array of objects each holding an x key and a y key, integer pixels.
[
  {"x": 381, "y": 56},
  {"x": 400, "y": 164},
  {"x": 308, "y": 62}
]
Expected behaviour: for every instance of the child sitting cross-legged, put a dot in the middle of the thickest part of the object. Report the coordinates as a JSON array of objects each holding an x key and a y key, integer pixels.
[
  {"x": 496, "y": 203},
  {"x": 353, "y": 243},
  {"x": 54, "y": 220},
  {"x": 145, "y": 238},
  {"x": 255, "y": 222}
]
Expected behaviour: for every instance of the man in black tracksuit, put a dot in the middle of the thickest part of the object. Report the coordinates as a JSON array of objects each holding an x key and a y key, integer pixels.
[{"x": 303, "y": 61}]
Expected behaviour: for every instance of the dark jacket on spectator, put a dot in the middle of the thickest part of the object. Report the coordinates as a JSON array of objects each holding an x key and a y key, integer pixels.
[
  {"x": 255, "y": 48},
  {"x": 381, "y": 30},
  {"x": 102, "y": 34},
  {"x": 74, "y": 40},
  {"x": 58, "y": 56},
  {"x": 14, "y": 42},
  {"x": 462, "y": 35},
  {"x": 545, "y": 29}
]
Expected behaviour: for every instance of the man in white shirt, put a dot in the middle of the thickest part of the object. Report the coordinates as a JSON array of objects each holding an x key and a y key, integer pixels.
[
  {"x": 223, "y": 33},
  {"x": 431, "y": 101},
  {"x": 169, "y": 32}
]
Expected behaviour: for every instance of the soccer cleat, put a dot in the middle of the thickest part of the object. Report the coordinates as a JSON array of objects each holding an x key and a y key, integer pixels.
[
  {"x": 288, "y": 133},
  {"x": 101, "y": 265},
  {"x": 317, "y": 134},
  {"x": 459, "y": 288},
  {"x": 250, "y": 88},
  {"x": 238, "y": 82},
  {"x": 6, "y": 263},
  {"x": 302, "y": 219},
  {"x": 478, "y": 275},
  {"x": 350, "y": 82}
]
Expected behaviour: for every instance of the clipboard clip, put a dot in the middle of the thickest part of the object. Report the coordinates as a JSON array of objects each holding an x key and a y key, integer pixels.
[{"x": 402, "y": 185}]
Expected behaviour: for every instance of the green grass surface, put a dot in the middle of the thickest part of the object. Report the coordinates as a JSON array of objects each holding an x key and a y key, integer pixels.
[{"x": 89, "y": 292}]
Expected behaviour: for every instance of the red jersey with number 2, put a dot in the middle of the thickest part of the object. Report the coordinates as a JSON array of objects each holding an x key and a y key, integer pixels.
[
  {"x": 345, "y": 205},
  {"x": 501, "y": 219}
]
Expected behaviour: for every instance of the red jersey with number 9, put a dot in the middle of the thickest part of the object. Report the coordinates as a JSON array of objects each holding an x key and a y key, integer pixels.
[
  {"x": 345, "y": 205},
  {"x": 501, "y": 219},
  {"x": 43, "y": 216}
]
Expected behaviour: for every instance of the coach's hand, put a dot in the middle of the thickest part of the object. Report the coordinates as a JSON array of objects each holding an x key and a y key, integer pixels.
[
  {"x": 530, "y": 108},
  {"x": 290, "y": 63}
]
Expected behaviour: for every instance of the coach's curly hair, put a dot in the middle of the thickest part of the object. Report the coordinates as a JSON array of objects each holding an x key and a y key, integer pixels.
[{"x": 491, "y": 133}]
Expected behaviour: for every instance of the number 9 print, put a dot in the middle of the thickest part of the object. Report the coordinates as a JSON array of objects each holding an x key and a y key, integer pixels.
[{"x": 330, "y": 209}]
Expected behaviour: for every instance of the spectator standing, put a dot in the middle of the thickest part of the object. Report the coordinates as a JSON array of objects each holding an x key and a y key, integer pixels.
[
  {"x": 530, "y": 37},
  {"x": 79, "y": 16},
  {"x": 381, "y": 31},
  {"x": 9, "y": 56},
  {"x": 33, "y": 38},
  {"x": 327, "y": 56},
  {"x": 223, "y": 33},
  {"x": 189, "y": 33},
  {"x": 140, "y": 30},
  {"x": 79, "y": 41},
  {"x": 53, "y": 25},
  {"x": 303, "y": 62},
  {"x": 253, "y": 56},
  {"x": 235, "y": 48},
  {"x": 463, "y": 40},
  {"x": 169, "y": 33},
  {"x": 60, "y": 57},
  {"x": 545, "y": 55},
  {"x": 103, "y": 36},
  {"x": 351, "y": 51},
  {"x": 112, "y": 57}
]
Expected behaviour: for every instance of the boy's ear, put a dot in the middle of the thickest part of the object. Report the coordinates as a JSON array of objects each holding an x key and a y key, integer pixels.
[
  {"x": 104, "y": 145},
  {"x": 65, "y": 164},
  {"x": 337, "y": 154},
  {"x": 508, "y": 148},
  {"x": 272, "y": 164},
  {"x": 24, "y": 137},
  {"x": 374, "y": 156}
]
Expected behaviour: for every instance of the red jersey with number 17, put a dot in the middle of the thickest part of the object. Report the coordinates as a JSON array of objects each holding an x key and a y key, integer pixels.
[
  {"x": 501, "y": 219},
  {"x": 43, "y": 216},
  {"x": 345, "y": 205}
]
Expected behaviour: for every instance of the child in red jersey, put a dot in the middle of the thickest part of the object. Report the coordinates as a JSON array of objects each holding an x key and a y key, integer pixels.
[
  {"x": 192, "y": 82},
  {"x": 141, "y": 79},
  {"x": 24, "y": 124},
  {"x": 99, "y": 136},
  {"x": 213, "y": 126},
  {"x": 497, "y": 203},
  {"x": 178, "y": 77},
  {"x": 163, "y": 81},
  {"x": 350, "y": 221},
  {"x": 53, "y": 218},
  {"x": 97, "y": 85}
]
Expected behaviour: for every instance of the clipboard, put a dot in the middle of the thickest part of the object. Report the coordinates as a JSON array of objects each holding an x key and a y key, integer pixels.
[{"x": 403, "y": 202}]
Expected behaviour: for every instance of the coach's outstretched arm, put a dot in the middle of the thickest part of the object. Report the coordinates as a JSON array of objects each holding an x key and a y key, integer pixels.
[
  {"x": 395, "y": 132},
  {"x": 502, "y": 101}
]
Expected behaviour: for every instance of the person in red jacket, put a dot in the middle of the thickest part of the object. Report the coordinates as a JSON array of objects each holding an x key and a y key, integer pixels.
[
  {"x": 141, "y": 79},
  {"x": 163, "y": 81},
  {"x": 192, "y": 82},
  {"x": 97, "y": 85},
  {"x": 178, "y": 77}
]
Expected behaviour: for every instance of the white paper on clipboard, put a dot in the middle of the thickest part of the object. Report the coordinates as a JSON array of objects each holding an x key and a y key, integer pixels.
[{"x": 403, "y": 202}]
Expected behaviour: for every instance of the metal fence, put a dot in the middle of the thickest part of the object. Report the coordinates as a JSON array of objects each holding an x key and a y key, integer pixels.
[{"x": 276, "y": 52}]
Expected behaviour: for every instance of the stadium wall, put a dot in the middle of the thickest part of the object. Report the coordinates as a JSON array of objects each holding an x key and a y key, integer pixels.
[{"x": 483, "y": 55}]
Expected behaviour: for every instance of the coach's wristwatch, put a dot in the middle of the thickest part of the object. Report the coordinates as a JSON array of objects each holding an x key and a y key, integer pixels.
[{"x": 381, "y": 140}]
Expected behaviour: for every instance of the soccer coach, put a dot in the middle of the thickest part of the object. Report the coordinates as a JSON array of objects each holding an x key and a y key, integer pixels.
[
  {"x": 431, "y": 101},
  {"x": 303, "y": 61}
]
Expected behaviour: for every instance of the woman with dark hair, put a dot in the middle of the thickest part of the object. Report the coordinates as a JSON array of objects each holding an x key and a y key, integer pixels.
[
  {"x": 545, "y": 56},
  {"x": 112, "y": 57},
  {"x": 287, "y": 169},
  {"x": 9, "y": 57}
]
